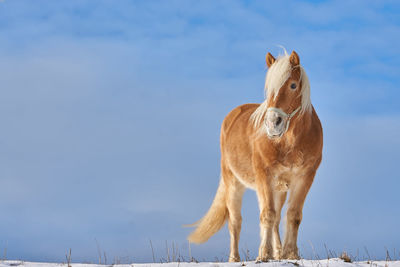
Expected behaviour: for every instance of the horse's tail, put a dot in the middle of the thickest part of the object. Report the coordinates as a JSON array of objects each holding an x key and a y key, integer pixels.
[{"x": 214, "y": 219}]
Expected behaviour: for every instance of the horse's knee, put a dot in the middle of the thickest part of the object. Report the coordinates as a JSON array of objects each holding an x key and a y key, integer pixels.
[
  {"x": 267, "y": 217},
  {"x": 277, "y": 221},
  {"x": 294, "y": 217},
  {"x": 235, "y": 220}
]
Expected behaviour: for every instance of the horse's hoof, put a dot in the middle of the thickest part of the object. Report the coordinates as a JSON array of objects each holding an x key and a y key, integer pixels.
[
  {"x": 234, "y": 259},
  {"x": 278, "y": 254},
  {"x": 263, "y": 259},
  {"x": 291, "y": 256}
]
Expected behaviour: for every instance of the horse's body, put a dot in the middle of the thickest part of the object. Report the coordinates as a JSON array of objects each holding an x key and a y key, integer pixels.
[{"x": 274, "y": 148}]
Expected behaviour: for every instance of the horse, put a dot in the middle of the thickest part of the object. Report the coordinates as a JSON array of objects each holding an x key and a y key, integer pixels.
[{"x": 274, "y": 148}]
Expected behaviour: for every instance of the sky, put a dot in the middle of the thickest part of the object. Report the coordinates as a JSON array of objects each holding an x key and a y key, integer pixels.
[{"x": 110, "y": 114}]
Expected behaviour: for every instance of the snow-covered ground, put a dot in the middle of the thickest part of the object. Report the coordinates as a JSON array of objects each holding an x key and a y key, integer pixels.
[{"x": 310, "y": 263}]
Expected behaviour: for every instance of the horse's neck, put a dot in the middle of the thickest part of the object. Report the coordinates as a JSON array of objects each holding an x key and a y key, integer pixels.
[{"x": 301, "y": 125}]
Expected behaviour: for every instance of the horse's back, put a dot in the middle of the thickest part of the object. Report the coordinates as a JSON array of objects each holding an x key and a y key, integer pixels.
[
  {"x": 236, "y": 145},
  {"x": 239, "y": 115}
]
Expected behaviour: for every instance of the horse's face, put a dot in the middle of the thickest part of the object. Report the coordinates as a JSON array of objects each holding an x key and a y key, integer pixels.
[{"x": 286, "y": 102}]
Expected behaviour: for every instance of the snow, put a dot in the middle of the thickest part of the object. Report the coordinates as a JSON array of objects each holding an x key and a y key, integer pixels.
[{"x": 285, "y": 263}]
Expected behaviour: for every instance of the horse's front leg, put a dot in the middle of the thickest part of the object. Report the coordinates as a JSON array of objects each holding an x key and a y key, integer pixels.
[
  {"x": 294, "y": 214},
  {"x": 267, "y": 214},
  {"x": 279, "y": 200}
]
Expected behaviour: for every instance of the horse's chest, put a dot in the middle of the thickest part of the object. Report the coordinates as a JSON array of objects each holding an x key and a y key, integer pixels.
[
  {"x": 290, "y": 159},
  {"x": 286, "y": 169},
  {"x": 283, "y": 177}
]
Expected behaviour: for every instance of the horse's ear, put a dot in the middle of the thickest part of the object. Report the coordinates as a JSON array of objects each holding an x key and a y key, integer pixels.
[
  {"x": 270, "y": 60},
  {"x": 294, "y": 59}
]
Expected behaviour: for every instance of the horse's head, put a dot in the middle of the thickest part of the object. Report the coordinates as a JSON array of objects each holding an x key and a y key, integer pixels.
[{"x": 287, "y": 92}]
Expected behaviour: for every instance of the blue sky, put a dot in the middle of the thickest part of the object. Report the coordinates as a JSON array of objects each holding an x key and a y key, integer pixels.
[{"x": 110, "y": 114}]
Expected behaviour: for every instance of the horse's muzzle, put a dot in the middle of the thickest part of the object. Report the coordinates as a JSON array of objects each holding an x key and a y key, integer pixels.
[{"x": 275, "y": 124}]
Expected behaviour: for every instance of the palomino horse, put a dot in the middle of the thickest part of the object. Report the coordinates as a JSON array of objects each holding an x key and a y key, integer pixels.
[{"x": 274, "y": 148}]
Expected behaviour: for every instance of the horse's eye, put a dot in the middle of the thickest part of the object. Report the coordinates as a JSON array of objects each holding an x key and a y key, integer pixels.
[{"x": 293, "y": 86}]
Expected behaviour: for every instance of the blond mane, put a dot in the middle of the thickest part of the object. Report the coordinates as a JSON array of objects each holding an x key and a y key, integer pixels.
[{"x": 276, "y": 77}]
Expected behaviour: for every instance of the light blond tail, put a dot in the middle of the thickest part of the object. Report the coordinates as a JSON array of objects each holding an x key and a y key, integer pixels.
[{"x": 215, "y": 218}]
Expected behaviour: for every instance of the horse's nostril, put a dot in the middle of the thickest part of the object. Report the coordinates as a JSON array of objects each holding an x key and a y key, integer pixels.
[{"x": 278, "y": 121}]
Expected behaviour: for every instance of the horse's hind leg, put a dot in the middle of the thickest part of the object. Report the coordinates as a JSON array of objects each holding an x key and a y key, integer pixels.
[{"x": 235, "y": 192}]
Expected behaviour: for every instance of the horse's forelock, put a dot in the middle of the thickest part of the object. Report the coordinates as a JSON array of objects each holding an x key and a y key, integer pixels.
[{"x": 277, "y": 75}]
